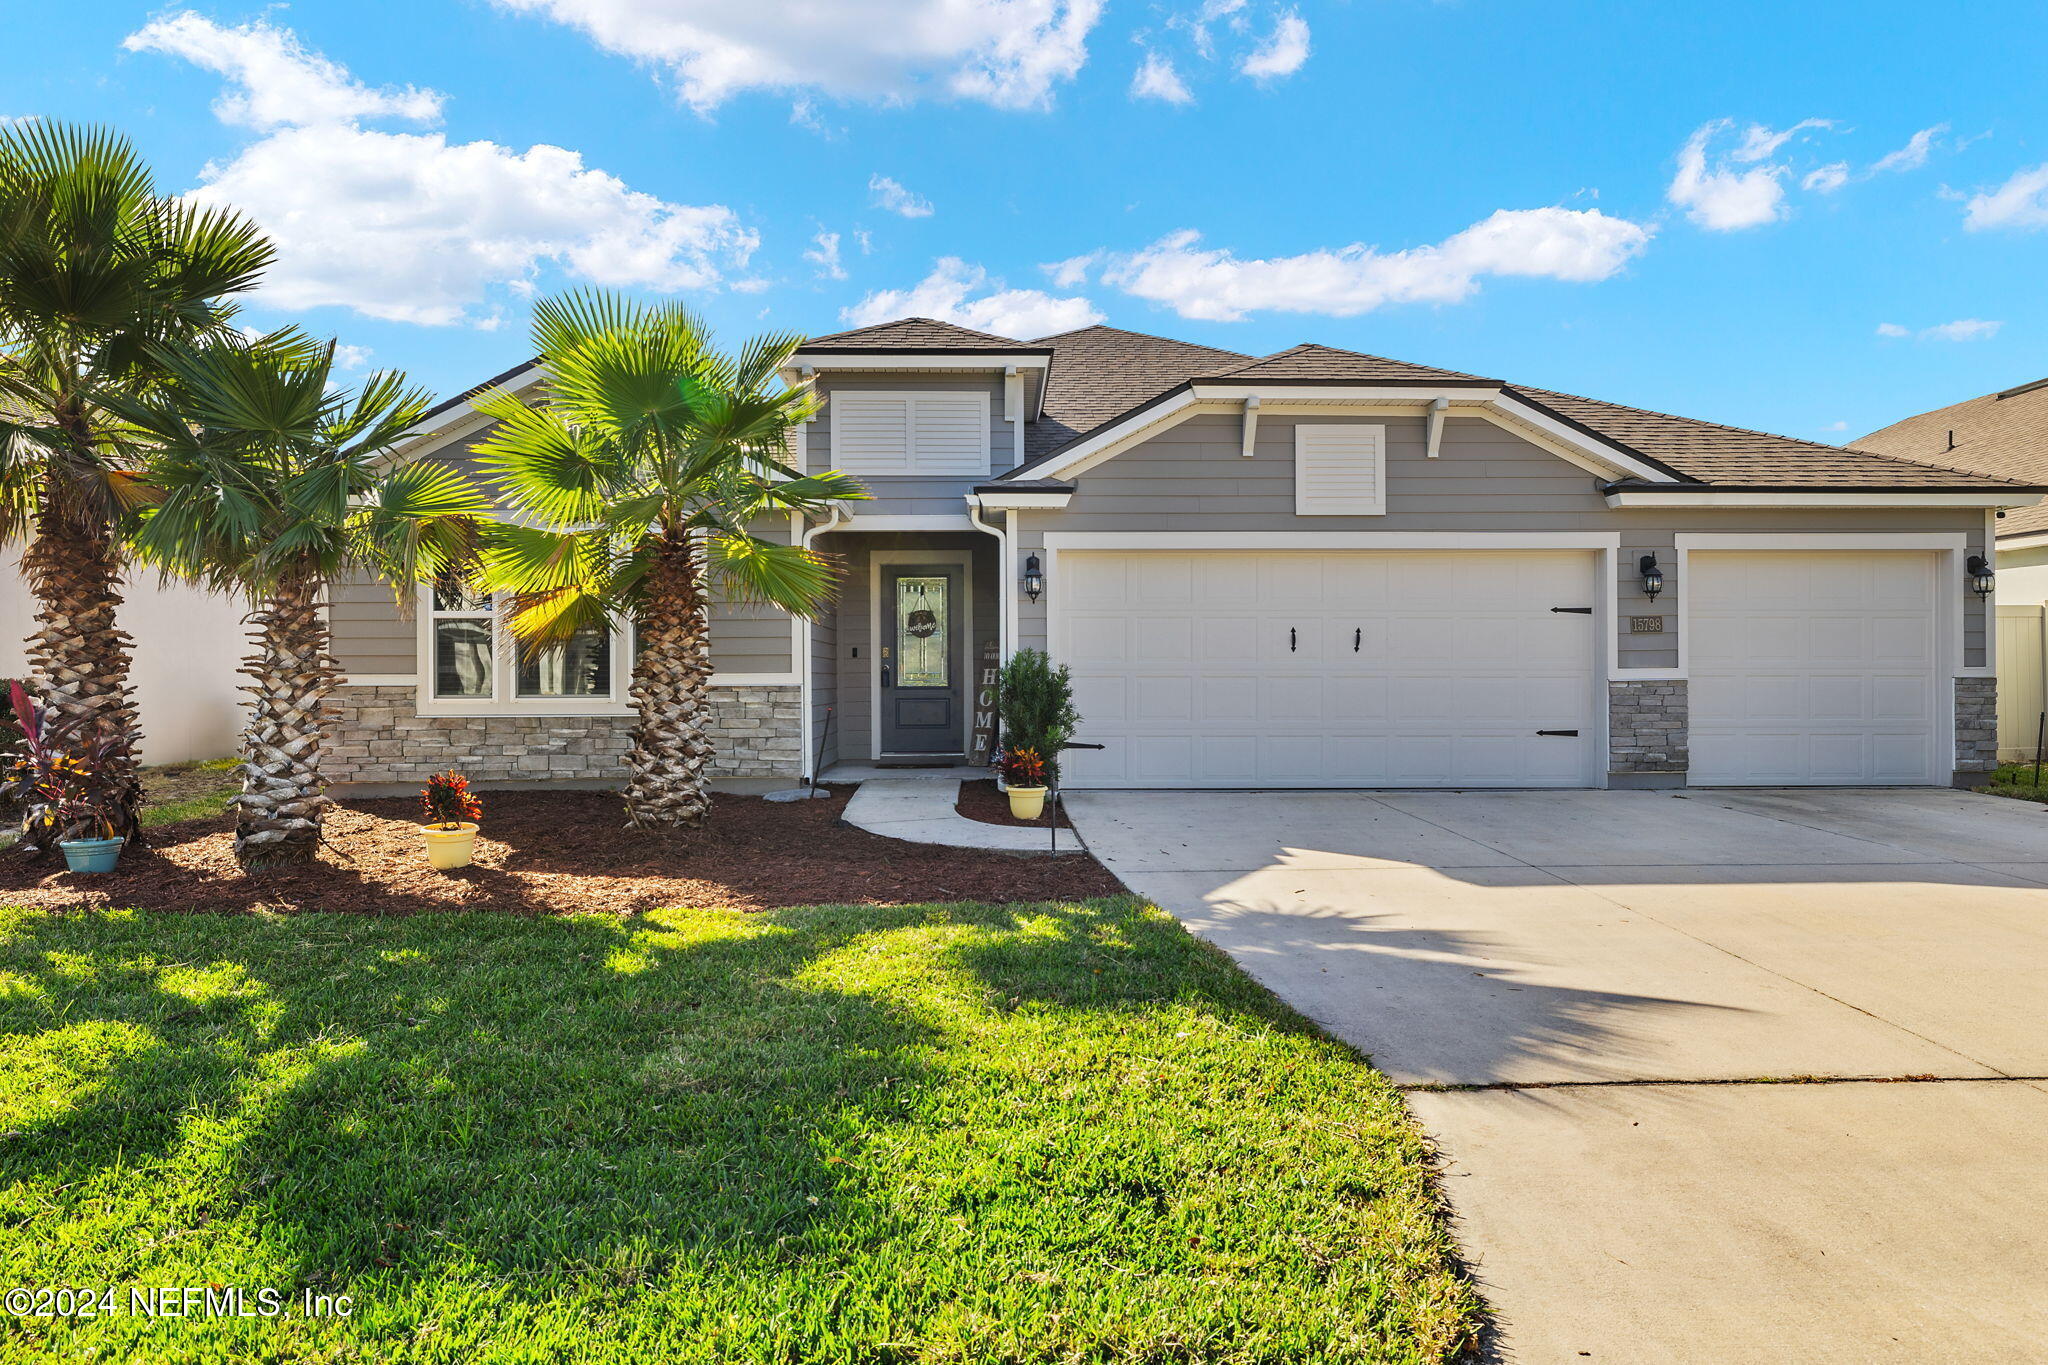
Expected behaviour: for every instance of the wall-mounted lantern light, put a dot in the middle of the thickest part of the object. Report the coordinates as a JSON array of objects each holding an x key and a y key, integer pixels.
[
  {"x": 1034, "y": 577},
  {"x": 1653, "y": 577},
  {"x": 1979, "y": 573}
]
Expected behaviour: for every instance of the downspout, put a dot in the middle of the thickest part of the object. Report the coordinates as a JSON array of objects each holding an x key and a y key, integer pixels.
[
  {"x": 803, "y": 677},
  {"x": 1006, "y": 607}
]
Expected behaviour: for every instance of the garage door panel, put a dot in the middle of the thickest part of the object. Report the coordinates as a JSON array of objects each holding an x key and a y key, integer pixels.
[
  {"x": 1814, "y": 668},
  {"x": 1404, "y": 669}
]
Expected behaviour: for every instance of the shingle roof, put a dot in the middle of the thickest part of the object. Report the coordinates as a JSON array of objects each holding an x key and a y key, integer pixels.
[
  {"x": 1310, "y": 362},
  {"x": 2004, "y": 434},
  {"x": 916, "y": 334},
  {"x": 1710, "y": 453},
  {"x": 1100, "y": 373}
]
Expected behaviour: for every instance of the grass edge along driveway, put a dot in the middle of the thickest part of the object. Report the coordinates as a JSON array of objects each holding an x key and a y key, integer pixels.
[{"x": 927, "y": 1133}]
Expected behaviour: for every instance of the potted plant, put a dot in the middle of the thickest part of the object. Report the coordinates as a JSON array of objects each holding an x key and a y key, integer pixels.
[
  {"x": 1036, "y": 702},
  {"x": 76, "y": 793},
  {"x": 452, "y": 812},
  {"x": 1024, "y": 780}
]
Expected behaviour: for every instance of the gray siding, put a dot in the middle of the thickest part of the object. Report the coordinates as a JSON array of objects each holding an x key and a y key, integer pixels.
[
  {"x": 1194, "y": 477},
  {"x": 370, "y": 634},
  {"x": 903, "y": 495}
]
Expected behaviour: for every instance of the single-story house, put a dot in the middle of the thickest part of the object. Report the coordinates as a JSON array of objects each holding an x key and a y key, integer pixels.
[
  {"x": 2004, "y": 434},
  {"x": 1315, "y": 568}
]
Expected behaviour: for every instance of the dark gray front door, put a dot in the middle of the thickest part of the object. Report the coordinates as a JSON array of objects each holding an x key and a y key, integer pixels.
[{"x": 923, "y": 656}]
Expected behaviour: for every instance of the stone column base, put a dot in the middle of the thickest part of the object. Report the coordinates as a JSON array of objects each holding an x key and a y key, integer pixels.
[{"x": 1647, "y": 733}]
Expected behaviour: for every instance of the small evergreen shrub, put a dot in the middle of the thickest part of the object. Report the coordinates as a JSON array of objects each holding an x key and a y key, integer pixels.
[{"x": 1037, "y": 707}]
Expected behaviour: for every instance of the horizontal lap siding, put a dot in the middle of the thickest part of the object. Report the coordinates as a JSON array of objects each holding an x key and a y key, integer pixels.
[
  {"x": 1194, "y": 477},
  {"x": 913, "y": 494}
]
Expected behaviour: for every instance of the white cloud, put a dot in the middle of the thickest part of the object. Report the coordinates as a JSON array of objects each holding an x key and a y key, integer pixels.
[
  {"x": 1892, "y": 329},
  {"x": 411, "y": 227},
  {"x": 1962, "y": 329},
  {"x": 2021, "y": 202},
  {"x": 824, "y": 254},
  {"x": 1721, "y": 198},
  {"x": 1008, "y": 53},
  {"x": 349, "y": 357},
  {"x": 1157, "y": 80},
  {"x": 1826, "y": 179},
  {"x": 867, "y": 243},
  {"x": 1913, "y": 155},
  {"x": 1562, "y": 244},
  {"x": 1836, "y": 426},
  {"x": 1760, "y": 143},
  {"x": 888, "y": 194},
  {"x": 945, "y": 294},
  {"x": 1071, "y": 273},
  {"x": 1282, "y": 54},
  {"x": 274, "y": 80}
]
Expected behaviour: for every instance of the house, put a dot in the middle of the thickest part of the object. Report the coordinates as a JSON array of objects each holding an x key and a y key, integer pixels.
[
  {"x": 2004, "y": 434},
  {"x": 1309, "y": 569}
]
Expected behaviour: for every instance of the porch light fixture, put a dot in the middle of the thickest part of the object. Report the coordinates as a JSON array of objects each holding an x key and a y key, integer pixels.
[
  {"x": 1978, "y": 570},
  {"x": 1034, "y": 577},
  {"x": 1653, "y": 577}
]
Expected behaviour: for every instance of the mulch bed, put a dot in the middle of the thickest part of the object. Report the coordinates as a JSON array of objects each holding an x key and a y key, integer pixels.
[
  {"x": 981, "y": 801},
  {"x": 555, "y": 852}
]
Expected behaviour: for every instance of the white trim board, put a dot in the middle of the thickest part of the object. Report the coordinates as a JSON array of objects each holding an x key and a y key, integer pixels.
[
  {"x": 1732, "y": 498},
  {"x": 1333, "y": 540}
]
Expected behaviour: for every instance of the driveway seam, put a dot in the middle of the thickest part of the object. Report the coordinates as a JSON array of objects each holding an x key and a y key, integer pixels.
[{"x": 1461, "y": 1088}]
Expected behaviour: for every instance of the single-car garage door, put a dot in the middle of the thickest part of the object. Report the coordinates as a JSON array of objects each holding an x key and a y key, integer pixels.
[
  {"x": 1814, "y": 668},
  {"x": 1242, "y": 668}
]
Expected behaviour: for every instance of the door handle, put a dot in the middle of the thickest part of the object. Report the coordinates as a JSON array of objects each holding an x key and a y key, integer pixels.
[
  {"x": 1291, "y": 641},
  {"x": 1571, "y": 733},
  {"x": 885, "y": 675},
  {"x": 1357, "y": 639}
]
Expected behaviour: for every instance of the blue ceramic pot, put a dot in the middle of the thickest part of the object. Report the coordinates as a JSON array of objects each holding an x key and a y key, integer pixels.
[{"x": 91, "y": 855}]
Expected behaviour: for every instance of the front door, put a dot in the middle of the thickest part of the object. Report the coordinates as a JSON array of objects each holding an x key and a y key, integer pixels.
[{"x": 923, "y": 656}]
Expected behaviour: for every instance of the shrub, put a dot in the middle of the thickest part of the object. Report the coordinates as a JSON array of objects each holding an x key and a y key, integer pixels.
[
  {"x": 69, "y": 787},
  {"x": 447, "y": 800},
  {"x": 1037, "y": 707}
]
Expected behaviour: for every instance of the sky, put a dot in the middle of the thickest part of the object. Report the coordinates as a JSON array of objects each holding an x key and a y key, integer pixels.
[{"x": 1811, "y": 219}]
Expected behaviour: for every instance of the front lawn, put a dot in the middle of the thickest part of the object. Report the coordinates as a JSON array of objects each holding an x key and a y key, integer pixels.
[
  {"x": 2017, "y": 780},
  {"x": 955, "y": 1133}
]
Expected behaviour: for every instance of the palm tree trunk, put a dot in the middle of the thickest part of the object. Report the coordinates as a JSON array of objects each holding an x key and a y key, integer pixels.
[
  {"x": 283, "y": 798},
  {"x": 671, "y": 687},
  {"x": 78, "y": 658}
]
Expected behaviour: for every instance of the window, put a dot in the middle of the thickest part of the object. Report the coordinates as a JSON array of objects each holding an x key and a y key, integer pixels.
[
  {"x": 922, "y": 632},
  {"x": 1340, "y": 470},
  {"x": 476, "y": 664},
  {"x": 910, "y": 433}
]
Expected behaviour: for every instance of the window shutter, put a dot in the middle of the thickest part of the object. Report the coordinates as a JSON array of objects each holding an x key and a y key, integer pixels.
[
  {"x": 871, "y": 433},
  {"x": 1340, "y": 471},
  {"x": 950, "y": 434}
]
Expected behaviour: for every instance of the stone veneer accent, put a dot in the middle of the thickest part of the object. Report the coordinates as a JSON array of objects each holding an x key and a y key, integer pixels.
[
  {"x": 1647, "y": 727},
  {"x": 1976, "y": 725},
  {"x": 379, "y": 736}
]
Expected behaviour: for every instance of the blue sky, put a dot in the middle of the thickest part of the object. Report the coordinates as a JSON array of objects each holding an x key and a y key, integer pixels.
[{"x": 1811, "y": 219}]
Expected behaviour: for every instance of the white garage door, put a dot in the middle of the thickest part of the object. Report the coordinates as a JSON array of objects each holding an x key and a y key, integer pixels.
[
  {"x": 1393, "y": 669},
  {"x": 1814, "y": 668}
]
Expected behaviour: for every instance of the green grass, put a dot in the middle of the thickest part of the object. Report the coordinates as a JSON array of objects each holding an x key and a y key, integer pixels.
[
  {"x": 2017, "y": 780},
  {"x": 195, "y": 807},
  {"x": 929, "y": 1134}
]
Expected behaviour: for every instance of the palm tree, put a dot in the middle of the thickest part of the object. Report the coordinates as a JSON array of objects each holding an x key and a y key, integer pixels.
[
  {"x": 632, "y": 491},
  {"x": 269, "y": 483},
  {"x": 97, "y": 271}
]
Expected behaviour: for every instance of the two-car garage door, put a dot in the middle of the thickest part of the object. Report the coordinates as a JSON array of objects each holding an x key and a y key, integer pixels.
[
  {"x": 1238, "y": 668},
  {"x": 1305, "y": 669}
]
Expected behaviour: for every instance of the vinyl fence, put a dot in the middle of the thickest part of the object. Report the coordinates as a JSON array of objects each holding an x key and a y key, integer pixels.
[{"x": 2022, "y": 679}]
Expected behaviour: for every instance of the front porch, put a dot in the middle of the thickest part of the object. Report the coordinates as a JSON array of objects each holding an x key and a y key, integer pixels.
[{"x": 893, "y": 665}]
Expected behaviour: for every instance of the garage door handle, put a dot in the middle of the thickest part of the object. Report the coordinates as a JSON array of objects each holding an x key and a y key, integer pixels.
[
  {"x": 1575, "y": 611},
  {"x": 1574, "y": 734},
  {"x": 1357, "y": 639},
  {"x": 1290, "y": 639}
]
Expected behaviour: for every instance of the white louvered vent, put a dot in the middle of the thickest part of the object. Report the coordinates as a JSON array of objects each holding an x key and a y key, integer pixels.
[
  {"x": 1340, "y": 471},
  {"x": 910, "y": 433}
]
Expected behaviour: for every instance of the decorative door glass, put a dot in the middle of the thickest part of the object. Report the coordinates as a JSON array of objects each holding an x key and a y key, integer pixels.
[{"x": 924, "y": 624}]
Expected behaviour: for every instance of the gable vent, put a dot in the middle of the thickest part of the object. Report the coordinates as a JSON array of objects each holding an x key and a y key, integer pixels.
[
  {"x": 1340, "y": 470},
  {"x": 910, "y": 433}
]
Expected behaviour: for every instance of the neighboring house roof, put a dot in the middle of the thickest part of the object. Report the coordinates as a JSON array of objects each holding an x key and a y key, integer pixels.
[
  {"x": 1309, "y": 363},
  {"x": 1100, "y": 373},
  {"x": 2004, "y": 434},
  {"x": 473, "y": 390},
  {"x": 918, "y": 334}
]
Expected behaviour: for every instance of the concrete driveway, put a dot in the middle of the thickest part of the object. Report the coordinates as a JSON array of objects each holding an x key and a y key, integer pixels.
[{"x": 1579, "y": 990}]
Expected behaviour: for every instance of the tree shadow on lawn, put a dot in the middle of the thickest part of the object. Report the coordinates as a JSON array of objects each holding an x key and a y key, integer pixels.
[{"x": 707, "y": 1135}]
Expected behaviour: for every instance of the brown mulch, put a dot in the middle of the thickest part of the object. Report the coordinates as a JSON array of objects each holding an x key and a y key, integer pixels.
[
  {"x": 555, "y": 852},
  {"x": 981, "y": 801}
]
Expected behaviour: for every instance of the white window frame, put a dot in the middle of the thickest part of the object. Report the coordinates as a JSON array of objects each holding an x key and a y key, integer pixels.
[
  {"x": 504, "y": 699},
  {"x": 910, "y": 466}
]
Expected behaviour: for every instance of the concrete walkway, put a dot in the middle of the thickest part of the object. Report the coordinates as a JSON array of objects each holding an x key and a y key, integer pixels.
[
  {"x": 1580, "y": 990},
  {"x": 920, "y": 810}
]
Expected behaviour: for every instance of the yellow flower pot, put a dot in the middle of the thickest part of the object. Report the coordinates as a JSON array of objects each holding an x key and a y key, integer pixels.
[
  {"x": 449, "y": 846},
  {"x": 1027, "y": 803}
]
